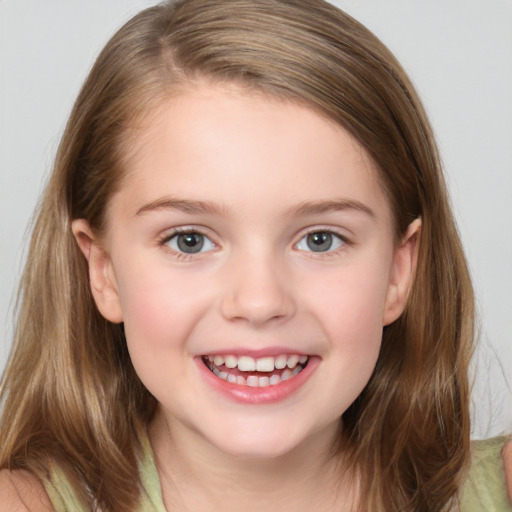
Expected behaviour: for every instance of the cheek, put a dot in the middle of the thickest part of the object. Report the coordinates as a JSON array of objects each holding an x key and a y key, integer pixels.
[
  {"x": 159, "y": 313},
  {"x": 158, "y": 318},
  {"x": 350, "y": 310},
  {"x": 355, "y": 335},
  {"x": 357, "y": 323},
  {"x": 351, "y": 299},
  {"x": 148, "y": 307},
  {"x": 355, "y": 331}
]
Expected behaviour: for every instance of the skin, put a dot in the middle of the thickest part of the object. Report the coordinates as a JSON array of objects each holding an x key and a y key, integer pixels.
[
  {"x": 259, "y": 164},
  {"x": 21, "y": 491}
]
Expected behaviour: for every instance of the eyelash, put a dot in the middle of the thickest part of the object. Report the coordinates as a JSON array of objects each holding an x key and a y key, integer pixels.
[{"x": 166, "y": 238}]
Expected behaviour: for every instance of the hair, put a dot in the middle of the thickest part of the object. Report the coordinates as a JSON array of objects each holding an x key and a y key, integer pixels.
[{"x": 71, "y": 397}]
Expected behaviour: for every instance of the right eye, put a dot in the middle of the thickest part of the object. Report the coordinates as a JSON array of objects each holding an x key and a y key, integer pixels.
[{"x": 189, "y": 242}]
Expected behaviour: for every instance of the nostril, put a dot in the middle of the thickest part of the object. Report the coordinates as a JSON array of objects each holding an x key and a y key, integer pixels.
[{"x": 257, "y": 312}]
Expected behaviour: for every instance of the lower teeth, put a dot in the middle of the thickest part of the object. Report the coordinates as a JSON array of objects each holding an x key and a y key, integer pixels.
[{"x": 255, "y": 381}]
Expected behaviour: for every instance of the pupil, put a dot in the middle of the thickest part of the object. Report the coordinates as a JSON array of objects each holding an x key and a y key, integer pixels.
[
  {"x": 319, "y": 242},
  {"x": 190, "y": 242}
]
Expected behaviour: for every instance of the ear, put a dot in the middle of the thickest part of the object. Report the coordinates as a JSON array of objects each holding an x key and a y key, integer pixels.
[
  {"x": 402, "y": 273},
  {"x": 101, "y": 273}
]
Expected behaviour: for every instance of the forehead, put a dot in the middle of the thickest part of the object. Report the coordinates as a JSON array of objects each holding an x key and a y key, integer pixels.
[{"x": 227, "y": 143}]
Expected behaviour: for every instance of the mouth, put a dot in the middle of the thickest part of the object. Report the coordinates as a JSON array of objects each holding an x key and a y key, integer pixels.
[{"x": 256, "y": 372}]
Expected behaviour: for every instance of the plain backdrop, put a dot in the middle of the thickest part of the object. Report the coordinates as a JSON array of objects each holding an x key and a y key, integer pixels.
[{"x": 459, "y": 55}]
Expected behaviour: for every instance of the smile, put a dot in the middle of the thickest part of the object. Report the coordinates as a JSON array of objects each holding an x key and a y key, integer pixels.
[{"x": 256, "y": 372}]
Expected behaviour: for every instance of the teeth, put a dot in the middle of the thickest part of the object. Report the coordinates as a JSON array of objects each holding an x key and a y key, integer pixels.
[
  {"x": 231, "y": 361},
  {"x": 264, "y": 382},
  {"x": 280, "y": 362},
  {"x": 262, "y": 364},
  {"x": 296, "y": 371},
  {"x": 292, "y": 361},
  {"x": 291, "y": 365},
  {"x": 265, "y": 364},
  {"x": 257, "y": 382},
  {"x": 286, "y": 374},
  {"x": 246, "y": 364},
  {"x": 253, "y": 381},
  {"x": 275, "y": 379}
]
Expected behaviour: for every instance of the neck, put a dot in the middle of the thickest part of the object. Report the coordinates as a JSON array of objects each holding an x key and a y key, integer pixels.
[{"x": 196, "y": 476}]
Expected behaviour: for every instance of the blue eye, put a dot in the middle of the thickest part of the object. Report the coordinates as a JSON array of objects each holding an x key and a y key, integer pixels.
[
  {"x": 190, "y": 243},
  {"x": 320, "y": 241}
]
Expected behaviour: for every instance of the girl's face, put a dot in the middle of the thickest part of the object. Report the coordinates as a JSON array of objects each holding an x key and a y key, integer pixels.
[{"x": 250, "y": 255}]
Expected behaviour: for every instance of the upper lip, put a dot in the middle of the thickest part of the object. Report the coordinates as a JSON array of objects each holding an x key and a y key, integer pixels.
[{"x": 256, "y": 353}]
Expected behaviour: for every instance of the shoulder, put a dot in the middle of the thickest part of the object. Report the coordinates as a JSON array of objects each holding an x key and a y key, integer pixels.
[{"x": 20, "y": 491}]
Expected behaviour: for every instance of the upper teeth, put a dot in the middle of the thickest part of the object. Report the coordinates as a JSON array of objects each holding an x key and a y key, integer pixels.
[{"x": 261, "y": 364}]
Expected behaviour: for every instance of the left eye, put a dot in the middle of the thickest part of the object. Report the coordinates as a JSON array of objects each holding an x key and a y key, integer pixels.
[
  {"x": 190, "y": 243},
  {"x": 320, "y": 241}
]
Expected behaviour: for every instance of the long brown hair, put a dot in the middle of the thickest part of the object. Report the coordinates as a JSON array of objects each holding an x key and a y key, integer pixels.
[{"x": 71, "y": 396}]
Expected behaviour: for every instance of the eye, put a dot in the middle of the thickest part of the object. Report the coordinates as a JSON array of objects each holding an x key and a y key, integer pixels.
[
  {"x": 190, "y": 242},
  {"x": 320, "y": 241}
]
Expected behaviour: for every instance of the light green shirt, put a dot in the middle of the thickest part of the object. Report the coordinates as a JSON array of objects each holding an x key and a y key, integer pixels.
[{"x": 484, "y": 490}]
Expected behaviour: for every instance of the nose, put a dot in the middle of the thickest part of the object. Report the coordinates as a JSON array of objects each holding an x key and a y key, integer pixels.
[{"x": 257, "y": 291}]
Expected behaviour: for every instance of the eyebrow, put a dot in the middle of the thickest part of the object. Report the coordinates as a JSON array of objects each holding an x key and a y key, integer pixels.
[
  {"x": 184, "y": 205},
  {"x": 339, "y": 205},
  {"x": 210, "y": 208}
]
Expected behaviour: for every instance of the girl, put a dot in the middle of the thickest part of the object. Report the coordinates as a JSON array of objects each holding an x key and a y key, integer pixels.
[{"x": 245, "y": 288}]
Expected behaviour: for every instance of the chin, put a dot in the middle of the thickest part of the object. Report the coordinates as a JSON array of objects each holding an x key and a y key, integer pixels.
[
  {"x": 255, "y": 450},
  {"x": 258, "y": 442}
]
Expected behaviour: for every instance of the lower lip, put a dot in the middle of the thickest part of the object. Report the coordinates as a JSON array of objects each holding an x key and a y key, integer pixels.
[{"x": 257, "y": 395}]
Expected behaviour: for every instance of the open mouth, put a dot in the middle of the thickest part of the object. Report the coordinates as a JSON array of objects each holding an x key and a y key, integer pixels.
[{"x": 256, "y": 372}]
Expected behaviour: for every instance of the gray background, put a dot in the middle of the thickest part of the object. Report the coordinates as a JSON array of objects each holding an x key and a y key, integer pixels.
[{"x": 459, "y": 55}]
